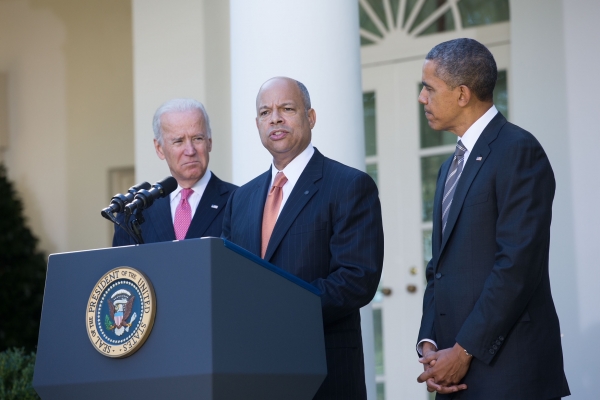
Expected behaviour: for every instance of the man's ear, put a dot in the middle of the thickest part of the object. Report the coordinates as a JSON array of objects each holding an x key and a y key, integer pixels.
[
  {"x": 312, "y": 117},
  {"x": 464, "y": 95},
  {"x": 159, "y": 150}
]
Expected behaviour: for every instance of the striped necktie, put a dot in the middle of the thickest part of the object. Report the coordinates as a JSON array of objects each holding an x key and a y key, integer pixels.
[{"x": 453, "y": 176}]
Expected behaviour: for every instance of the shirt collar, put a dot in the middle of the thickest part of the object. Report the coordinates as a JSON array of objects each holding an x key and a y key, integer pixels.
[
  {"x": 294, "y": 169},
  {"x": 198, "y": 187},
  {"x": 472, "y": 134}
]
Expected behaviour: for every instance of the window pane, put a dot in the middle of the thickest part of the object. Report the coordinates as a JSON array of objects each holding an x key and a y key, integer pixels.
[
  {"x": 377, "y": 6},
  {"x": 429, "y": 171},
  {"x": 430, "y": 137},
  {"x": 370, "y": 124},
  {"x": 483, "y": 12},
  {"x": 409, "y": 6},
  {"x": 378, "y": 331},
  {"x": 365, "y": 22},
  {"x": 381, "y": 391},
  {"x": 372, "y": 170},
  {"x": 427, "y": 252},
  {"x": 395, "y": 6},
  {"x": 442, "y": 24},
  {"x": 501, "y": 94}
]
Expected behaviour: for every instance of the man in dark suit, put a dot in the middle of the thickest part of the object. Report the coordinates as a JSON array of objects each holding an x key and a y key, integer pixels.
[
  {"x": 182, "y": 137},
  {"x": 317, "y": 219},
  {"x": 489, "y": 328}
]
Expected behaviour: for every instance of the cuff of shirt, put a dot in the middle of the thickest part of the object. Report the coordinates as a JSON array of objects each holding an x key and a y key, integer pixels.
[{"x": 420, "y": 345}]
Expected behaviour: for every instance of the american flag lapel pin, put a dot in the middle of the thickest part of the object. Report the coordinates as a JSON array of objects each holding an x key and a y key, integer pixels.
[
  {"x": 478, "y": 158},
  {"x": 214, "y": 206}
]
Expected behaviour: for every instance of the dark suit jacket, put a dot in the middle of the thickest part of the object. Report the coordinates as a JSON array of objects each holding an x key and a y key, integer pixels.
[
  {"x": 207, "y": 220},
  {"x": 487, "y": 283},
  {"x": 329, "y": 233}
]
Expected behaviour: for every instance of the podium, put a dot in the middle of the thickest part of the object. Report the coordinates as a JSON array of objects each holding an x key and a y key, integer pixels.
[{"x": 227, "y": 325}]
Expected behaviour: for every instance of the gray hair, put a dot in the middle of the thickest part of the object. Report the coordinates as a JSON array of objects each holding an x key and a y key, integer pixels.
[
  {"x": 305, "y": 95},
  {"x": 178, "y": 105},
  {"x": 466, "y": 62}
]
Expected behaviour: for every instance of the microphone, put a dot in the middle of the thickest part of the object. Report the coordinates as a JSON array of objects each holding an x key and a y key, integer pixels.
[
  {"x": 144, "y": 198},
  {"x": 118, "y": 201}
]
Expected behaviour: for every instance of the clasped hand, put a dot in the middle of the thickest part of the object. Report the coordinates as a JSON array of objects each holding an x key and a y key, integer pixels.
[{"x": 444, "y": 369}]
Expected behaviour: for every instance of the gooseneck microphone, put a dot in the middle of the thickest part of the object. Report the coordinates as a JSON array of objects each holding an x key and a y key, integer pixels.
[
  {"x": 144, "y": 198},
  {"x": 119, "y": 201}
]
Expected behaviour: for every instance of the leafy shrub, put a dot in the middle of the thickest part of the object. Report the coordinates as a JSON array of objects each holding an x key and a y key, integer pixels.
[
  {"x": 16, "y": 375},
  {"x": 22, "y": 273}
]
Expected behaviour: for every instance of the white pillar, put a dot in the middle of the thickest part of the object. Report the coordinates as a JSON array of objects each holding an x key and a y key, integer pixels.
[
  {"x": 553, "y": 94},
  {"x": 313, "y": 41},
  {"x": 317, "y": 43},
  {"x": 168, "y": 40}
]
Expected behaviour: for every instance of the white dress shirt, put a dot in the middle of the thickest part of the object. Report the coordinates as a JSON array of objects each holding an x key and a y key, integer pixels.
[
  {"x": 198, "y": 188},
  {"x": 468, "y": 139},
  {"x": 292, "y": 172}
]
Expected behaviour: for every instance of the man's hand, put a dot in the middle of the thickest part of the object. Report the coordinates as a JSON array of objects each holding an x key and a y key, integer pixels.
[{"x": 444, "y": 369}]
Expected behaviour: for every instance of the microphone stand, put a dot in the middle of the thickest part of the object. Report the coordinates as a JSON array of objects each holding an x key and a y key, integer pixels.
[
  {"x": 132, "y": 228},
  {"x": 136, "y": 220}
]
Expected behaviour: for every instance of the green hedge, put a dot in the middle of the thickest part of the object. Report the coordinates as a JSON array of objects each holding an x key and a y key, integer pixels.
[{"x": 16, "y": 375}]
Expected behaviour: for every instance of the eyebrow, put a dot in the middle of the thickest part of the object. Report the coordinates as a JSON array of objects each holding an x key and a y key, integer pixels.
[
  {"x": 425, "y": 84},
  {"x": 286, "y": 104}
]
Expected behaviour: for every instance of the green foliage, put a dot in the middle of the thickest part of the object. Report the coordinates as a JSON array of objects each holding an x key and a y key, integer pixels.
[
  {"x": 107, "y": 322},
  {"x": 16, "y": 375},
  {"x": 22, "y": 273}
]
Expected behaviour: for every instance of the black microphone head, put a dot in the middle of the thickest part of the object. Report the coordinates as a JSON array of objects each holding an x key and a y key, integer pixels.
[
  {"x": 168, "y": 185},
  {"x": 142, "y": 185}
]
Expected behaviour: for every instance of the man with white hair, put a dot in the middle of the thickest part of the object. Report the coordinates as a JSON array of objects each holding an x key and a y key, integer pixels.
[{"x": 182, "y": 137}]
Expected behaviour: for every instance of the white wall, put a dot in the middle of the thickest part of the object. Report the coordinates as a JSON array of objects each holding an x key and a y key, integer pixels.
[
  {"x": 178, "y": 52},
  {"x": 581, "y": 38},
  {"x": 31, "y": 56},
  {"x": 554, "y": 94},
  {"x": 168, "y": 52},
  {"x": 69, "y": 112}
]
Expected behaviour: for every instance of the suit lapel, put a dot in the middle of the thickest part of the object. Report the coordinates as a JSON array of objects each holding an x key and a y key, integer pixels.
[
  {"x": 256, "y": 205},
  {"x": 481, "y": 149},
  {"x": 162, "y": 222},
  {"x": 214, "y": 195},
  {"x": 303, "y": 191}
]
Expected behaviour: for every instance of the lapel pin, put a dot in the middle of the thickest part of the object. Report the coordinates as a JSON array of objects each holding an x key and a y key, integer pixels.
[
  {"x": 214, "y": 206},
  {"x": 306, "y": 192},
  {"x": 478, "y": 158}
]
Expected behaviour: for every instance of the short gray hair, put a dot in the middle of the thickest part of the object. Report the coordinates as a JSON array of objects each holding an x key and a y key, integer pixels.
[
  {"x": 305, "y": 95},
  {"x": 466, "y": 62},
  {"x": 178, "y": 105}
]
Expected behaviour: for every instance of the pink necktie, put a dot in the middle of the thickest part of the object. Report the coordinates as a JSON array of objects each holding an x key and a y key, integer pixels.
[
  {"x": 272, "y": 206},
  {"x": 183, "y": 215}
]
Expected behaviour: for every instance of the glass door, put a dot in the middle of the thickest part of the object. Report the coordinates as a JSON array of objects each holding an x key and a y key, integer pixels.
[{"x": 403, "y": 156}]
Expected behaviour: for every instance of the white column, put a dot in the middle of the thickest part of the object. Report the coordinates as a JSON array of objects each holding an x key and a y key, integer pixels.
[
  {"x": 168, "y": 55},
  {"x": 313, "y": 41},
  {"x": 553, "y": 94},
  {"x": 317, "y": 43},
  {"x": 581, "y": 36}
]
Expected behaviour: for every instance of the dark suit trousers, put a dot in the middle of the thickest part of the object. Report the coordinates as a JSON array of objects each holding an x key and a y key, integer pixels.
[{"x": 337, "y": 385}]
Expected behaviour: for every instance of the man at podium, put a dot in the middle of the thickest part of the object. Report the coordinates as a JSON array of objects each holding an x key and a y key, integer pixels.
[
  {"x": 317, "y": 219},
  {"x": 182, "y": 137}
]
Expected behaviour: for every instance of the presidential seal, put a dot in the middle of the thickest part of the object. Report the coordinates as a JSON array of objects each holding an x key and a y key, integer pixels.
[{"x": 120, "y": 312}]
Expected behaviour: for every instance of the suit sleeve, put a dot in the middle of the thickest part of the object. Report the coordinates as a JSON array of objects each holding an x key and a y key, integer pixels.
[
  {"x": 356, "y": 246},
  {"x": 524, "y": 189},
  {"x": 120, "y": 237}
]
